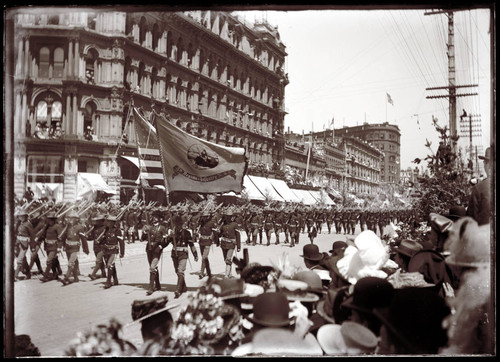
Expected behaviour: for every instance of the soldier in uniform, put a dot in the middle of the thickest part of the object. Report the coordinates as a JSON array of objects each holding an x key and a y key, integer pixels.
[
  {"x": 52, "y": 245},
  {"x": 329, "y": 219},
  {"x": 353, "y": 220},
  {"x": 112, "y": 245},
  {"x": 337, "y": 218},
  {"x": 278, "y": 225},
  {"x": 229, "y": 240},
  {"x": 98, "y": 232},
  {"x": 131, "y": 222},
  {"x": 362, "y": 220},
  {"x": 24, "y": 236},
  {"x": 268, "y": 224},
  {"x": 181, "y": 239},
  {"x": 256, "y": 226},
  {"x": 293, "y": 226},
  {"x": 73, "y": 239},
  {"x": 310, "y": 221},
  {"x": 345, "y": 220},
  {"x": 206, "y": 236},
  {"x": 156, "y": 236},
  {"x": 319, "y": 219},
  {"x": 382, "y": 222}
]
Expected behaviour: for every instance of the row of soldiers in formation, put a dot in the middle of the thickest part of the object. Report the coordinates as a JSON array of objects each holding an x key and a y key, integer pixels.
[{"x": 70, "y": 228}]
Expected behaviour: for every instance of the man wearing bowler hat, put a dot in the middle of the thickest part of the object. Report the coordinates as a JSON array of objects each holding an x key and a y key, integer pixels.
[{"x": 480, "y": 198}]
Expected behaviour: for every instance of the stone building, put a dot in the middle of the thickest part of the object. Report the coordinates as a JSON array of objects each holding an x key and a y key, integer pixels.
[
  {"x": 385, "y": 137},
  {"x": 77, "y": 72}
]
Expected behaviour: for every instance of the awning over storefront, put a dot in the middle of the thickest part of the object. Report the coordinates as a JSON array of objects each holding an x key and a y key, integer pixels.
[
  {"x": 282, "y": 188},
  {"x": 134, "y": 160},
  {"x": 305, "y": 197},
  {"x": 325, "y": 198},
  {"x": 88, "y": 183},
  {"x": 266, "y": 188},
  {"x": 251, "y": 190}
]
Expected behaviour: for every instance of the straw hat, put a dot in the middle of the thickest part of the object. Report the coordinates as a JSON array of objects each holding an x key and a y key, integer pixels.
[{"x": 348, "y": 338}]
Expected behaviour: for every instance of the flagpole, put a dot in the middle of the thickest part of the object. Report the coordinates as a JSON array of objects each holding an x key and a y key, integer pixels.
[{"x": 386, "y": 101}]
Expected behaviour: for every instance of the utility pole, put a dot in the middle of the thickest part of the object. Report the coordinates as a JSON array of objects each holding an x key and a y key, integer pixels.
[
  {"x": 472, "y": 128},
  {"x": 452, "y": 87}
]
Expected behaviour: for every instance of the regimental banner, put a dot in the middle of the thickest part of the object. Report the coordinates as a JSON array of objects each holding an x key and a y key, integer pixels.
[
  {"x": 150, "y": 168},
  {"x": 196, "y": 165}
]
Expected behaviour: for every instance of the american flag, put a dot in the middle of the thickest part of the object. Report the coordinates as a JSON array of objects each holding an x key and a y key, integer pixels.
[
  {"x": 389, "y": 99},
  {"x": 150, "y": 167}
]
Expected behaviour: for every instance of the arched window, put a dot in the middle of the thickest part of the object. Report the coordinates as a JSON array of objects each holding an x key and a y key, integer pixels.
[
  {"x": 89, "y": 117},
  {"x": 156, "y": 36},
  {"x": 140, "y": 77},
  {"x": 143, "y": 28},
  {"x": 90, "y": 65},
  {"x": 48, "y": 114},
  {"x": 58, "y": 62},
  {"x": 43, "y": 68}
]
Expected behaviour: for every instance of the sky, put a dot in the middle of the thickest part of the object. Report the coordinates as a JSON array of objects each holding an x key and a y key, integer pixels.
[{"x": 342, "y": 64}]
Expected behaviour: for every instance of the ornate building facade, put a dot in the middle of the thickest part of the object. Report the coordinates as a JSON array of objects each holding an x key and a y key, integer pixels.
[{"x": 77, "y": 73}]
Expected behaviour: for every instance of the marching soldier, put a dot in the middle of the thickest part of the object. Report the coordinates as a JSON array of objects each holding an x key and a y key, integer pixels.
[
  {"x": 278, "y": 225},
  {"x": 112, "y": 245},
  {"x": 345, "y": 221},
  {"x": 294, "y": 228},
  {"x": 310, "y": 221},
  {"x": 229, "y": 240},
  {"x": 181, "y": 239},
  {"x": 74, "y": 238},
  {"x": 353, "y": 220},
  {"x": 256, "y": 220},
  {"x": 38, "y": 225},
  {"x": 268, "y": 224},
  {"x": 131, "y": 222},
  {"x": 97, "y": 234},
  {"x": 52, "y": 244},
  {"x": 329, "y": 219},
  {"x": 337, "y": 219},
  {"x": 24, "y": 236},
  {"x": 206, "y": 231},
  {"x": 319, "y": 219},
  {"x": 156, "y": 236},
  {"x": 362, "y": 220}
]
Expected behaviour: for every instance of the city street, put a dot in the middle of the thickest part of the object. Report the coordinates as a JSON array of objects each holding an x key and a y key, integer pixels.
[{"x": 52, "y": 314}]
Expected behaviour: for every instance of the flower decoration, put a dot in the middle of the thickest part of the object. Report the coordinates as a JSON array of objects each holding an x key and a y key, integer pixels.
[
  {"x": 205, "y": 324},
  {"x": 102, "y": 340}
]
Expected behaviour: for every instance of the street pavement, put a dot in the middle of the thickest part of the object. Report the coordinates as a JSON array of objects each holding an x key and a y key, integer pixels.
[{"x": 52, "y": 314}]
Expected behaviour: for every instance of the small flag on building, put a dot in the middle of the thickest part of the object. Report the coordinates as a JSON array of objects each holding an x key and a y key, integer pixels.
[
  {"x": 194, "y": 164},
  {"x": 389, "y": 99}
]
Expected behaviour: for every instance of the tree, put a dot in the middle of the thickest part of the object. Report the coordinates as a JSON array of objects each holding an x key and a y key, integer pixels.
[{"x": 446, "y": 184}]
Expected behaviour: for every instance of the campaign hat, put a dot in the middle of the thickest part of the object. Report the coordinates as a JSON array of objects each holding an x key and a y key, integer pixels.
[{"x": 487, "y": 154}]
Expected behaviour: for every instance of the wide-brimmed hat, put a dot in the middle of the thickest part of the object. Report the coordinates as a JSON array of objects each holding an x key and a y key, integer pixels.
[
  {"x": 339, "y": 244},
  {"x": 279, "y": 342},
  {"x": 21, "y": 213},
  {"x": 255, "y": 273},
  {"x": 468, "y": 244},
  {"x": 313, "y": 280},
  {"x": 143, "y": 309},
  {"x": 414, "y": 318},
  {"x": 456, "y": 212},
  {"x": 348, "y": 338},
  {"x": 408, "y": 247},
  {"x": 51, "y": 215},
  {"x": 311, "y": 252},
  {"x": 98, "y": 217},
  {"x": 227, "y": 288},
  {"x": 487, "y": 154},
  {"x": 297, "y": 290},
  {"x": 271, "y": 310},
  {"x": 73, "y": 214},
  {"x": 370, "y": 293},
  {"x": 330, "y": 307}
]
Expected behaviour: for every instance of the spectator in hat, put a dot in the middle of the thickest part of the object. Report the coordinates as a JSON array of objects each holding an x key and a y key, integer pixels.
[
  {"x": 456, "y": 212},
  {"x": 348, "y": 339},
  {"x": 413, "y": 323},
  {"x": 404, "y": 252},
  {"x": 330, "y": 262},
  {"x": 480, "y": 198},
  {"x": 312, "y": 257},
  {"x": 369, "y": 293},
  {"x": 470, "y": 328},
  {"x": 156, "y": 324}
]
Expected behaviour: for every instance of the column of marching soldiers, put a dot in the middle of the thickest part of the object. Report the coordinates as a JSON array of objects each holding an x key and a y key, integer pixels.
[{"x": 53, "y": 228}]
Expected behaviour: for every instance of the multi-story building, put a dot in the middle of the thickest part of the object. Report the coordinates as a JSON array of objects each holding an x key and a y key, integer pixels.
[
  {"x": 386, "y": 138},
  {"x": 78, "y": 72}
]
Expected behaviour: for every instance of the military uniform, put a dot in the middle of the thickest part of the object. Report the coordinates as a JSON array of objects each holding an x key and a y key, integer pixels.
[
  {"x": 73, "y": 239},
  {"x": 256, "y": 227},
  {"x": 52, "y": 244},
  {"x": 337, "y": 219},
  {"x": 268, "y": 225},
  {"x": 229, "y": 241},
  {"x": 112, "y": 246},
  {"x": 24, "y": 236},
  {"x": 182, "y": 240},
  {"x": 278, "y": 225},
  {"x": 345, "y": 221},
  {"x": 206, "y": 237},
  {"x": 38, "y": 225},
  {"x": 293, "y": 226},
  {"x": 329, "y": 220},
  {"x": 97, "y": 235},
  {"x": 353, "y": 220},
  {"x": 156, "y": 236},
  {"x": 131, "y": 222}
]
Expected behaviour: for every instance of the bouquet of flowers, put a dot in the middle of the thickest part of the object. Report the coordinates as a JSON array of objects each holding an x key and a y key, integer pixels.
[{"x": 403, "y": 231}]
